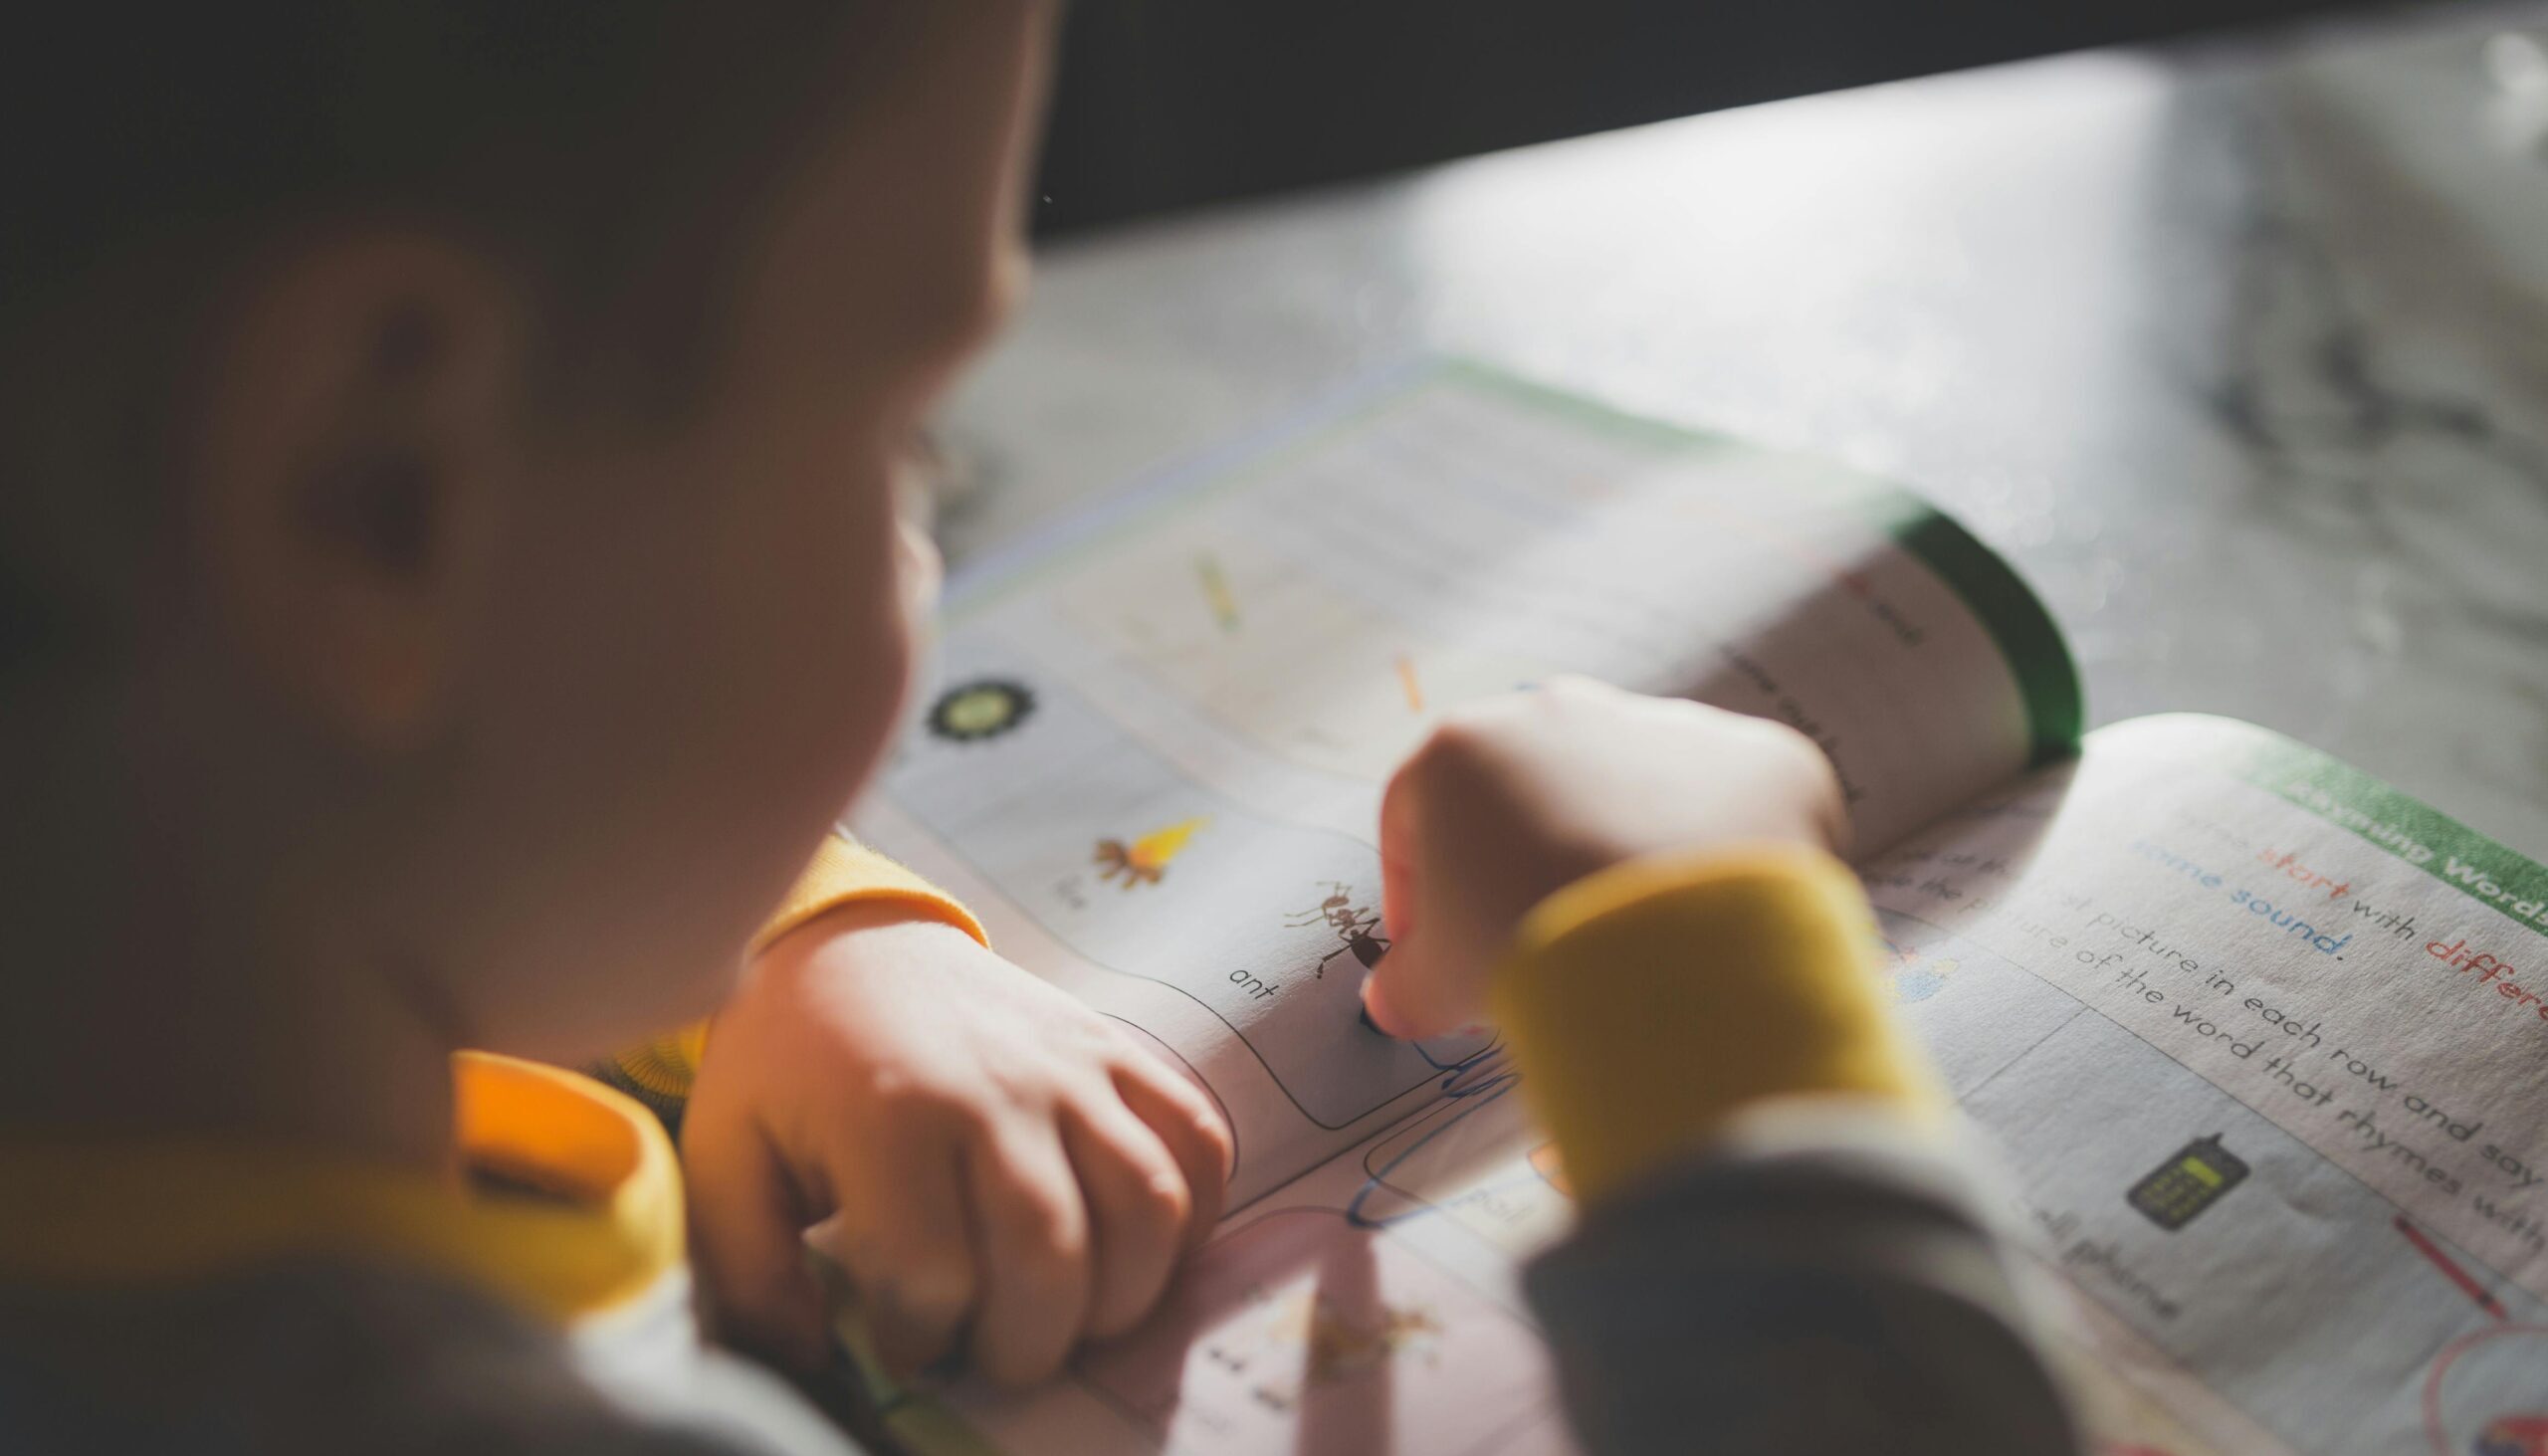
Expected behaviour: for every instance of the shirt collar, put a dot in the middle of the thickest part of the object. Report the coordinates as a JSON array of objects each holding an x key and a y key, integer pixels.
[{"x": 604, "y": 1226}]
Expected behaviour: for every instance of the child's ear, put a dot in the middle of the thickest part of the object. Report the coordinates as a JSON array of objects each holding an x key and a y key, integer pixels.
[{"x": 354, "y": 431}]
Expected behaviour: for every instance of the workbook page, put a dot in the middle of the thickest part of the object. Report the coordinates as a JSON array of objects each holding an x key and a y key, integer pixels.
[
  {"x": 2264, "y": 1045},
  {"x": 2256, "y": 1043},
  {"x": 1371, "y": 1306},
  {"x": 1152, "y": 755}
]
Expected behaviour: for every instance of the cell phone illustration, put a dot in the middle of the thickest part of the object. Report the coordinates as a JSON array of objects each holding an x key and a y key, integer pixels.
[{"x": 2193, "y": 1178}]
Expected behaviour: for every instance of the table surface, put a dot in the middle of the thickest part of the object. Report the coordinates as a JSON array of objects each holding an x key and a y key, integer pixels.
[{"x": 2240, "y": 353}]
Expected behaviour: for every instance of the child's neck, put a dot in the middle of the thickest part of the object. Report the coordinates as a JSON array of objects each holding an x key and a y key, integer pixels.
[
  {"x": 159, "y": 1001},
  {"x": 329, "y": 1060}
]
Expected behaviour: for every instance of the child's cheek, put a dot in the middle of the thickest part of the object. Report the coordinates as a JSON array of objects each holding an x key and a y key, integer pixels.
[
  {"x": 884, "y": 629},
  {"x": 921, "y": 572}
]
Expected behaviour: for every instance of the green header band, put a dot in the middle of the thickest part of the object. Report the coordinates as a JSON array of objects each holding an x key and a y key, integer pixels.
[
  {"x": 2039, "y": 658},
  {"x": 2038, "y": 661},
  {"x": 2500, "y": 879}
]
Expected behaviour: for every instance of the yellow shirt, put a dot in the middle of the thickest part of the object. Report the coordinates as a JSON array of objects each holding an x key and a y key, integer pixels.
[
  {"x": 603, "y": 1226},
  {"x": 843, "y": 872}
]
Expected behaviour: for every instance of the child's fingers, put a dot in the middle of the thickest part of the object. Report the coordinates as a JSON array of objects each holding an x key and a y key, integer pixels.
[
  {"x": 1195, "y": 1131},
  {"x": 1137, "y": 1206},
  {"x": 1413, "y": 993},
  {"x": 1032, "y": 1230},
  {"x": 748, "y": 1235},
  {"x": 1401, "y": 854},
  {"x": 905, "y": 1241}
]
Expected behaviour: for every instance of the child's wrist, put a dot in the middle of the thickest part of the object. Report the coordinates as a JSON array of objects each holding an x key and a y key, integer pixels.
[
  {"x": 1649, "y": 1003},
  {"x": 867, "y": 921},
  {"x": 845, "y": 873}
]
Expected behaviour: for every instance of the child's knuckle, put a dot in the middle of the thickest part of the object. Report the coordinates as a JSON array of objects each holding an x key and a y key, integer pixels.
[
  {"x": 1215, "y": 1135},
  {"x": 1567, "y": 690},
  {"x": 1161, "y": 1204},
  {"x": 1094, "y": 1040},
  {"x": 1045, "y": 1237},
  {"x": 951, "y": 1113},
  {"x": 1796, "y": 753},
  {"x": 1458, "y": 747},
  {"x": 935, "y": 1282}
]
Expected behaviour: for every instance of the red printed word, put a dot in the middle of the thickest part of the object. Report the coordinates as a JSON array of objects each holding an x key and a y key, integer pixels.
[
  {"x": 2488, "y": 966},
  {"x": 2290, "y": 865}
]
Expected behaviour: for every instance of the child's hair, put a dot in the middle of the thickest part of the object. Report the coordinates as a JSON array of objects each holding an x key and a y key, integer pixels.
[{"x": 601, "y": 150}]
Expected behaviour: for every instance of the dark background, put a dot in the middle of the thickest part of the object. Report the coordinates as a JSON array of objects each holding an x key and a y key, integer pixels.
[{"x": 1168, "y": 103}]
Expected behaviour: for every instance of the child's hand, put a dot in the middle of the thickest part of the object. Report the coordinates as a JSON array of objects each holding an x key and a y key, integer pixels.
[
  {"x": 1511, "y": 800},
  {"x": 998, "y": 1163}
]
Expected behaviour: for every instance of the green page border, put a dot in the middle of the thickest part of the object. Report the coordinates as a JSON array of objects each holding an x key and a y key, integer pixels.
[
  {"x": 2404, "y": 827},
  {"x": 2016, "y": 618},
  {"x": 2010, "y": 611},
  {"x": 2038, "y": 656}
]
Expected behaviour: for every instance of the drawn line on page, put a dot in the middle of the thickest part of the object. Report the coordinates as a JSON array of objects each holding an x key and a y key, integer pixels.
[
  {"x": 1541, "y": 1417},
  {"x": 1377, "y": 1179},
  {"x": 1433, "y": 1069},
  {"x": 2450, "y": 1268},
  {"x": 1997, "y": 1072},
  {"x": 1166, "y": 688},
  {"x": 926, "y": 820},
  {"x": 1478, "y": 1066},
  {"x": 2051, "y": 1264},
  {"x": 2157, "y": 1355},
  {"x": 985, "y": 574},
  {"x": 1406, "y": 680},
  {"x": 1228, "y": 1122},
  {"x": 2435, "y": 1433}
]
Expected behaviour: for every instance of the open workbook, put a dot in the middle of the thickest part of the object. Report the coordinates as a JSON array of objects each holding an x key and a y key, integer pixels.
[{"x": 2261, "y": 1044}]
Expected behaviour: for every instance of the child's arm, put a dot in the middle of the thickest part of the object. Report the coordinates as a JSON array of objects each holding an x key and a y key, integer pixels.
[
  {"x": 1774, "y": 1255},
  {"x": 843, "y": 872},
  {"x": 991, "y": 1158}
]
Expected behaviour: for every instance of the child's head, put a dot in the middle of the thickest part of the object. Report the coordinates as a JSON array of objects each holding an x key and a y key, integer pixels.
[{"x": 450, "y": 529}]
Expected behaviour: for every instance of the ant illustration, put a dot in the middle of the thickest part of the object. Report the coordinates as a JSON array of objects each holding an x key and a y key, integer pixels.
[{"x": 1354, "y": 928}]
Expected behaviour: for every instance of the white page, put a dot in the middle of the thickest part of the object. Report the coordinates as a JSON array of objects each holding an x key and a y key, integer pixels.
[
  {"x": 1372, "y": 1306},
  {"x": 2085, "y": 956},
  {"x": 2206, "y": 931},
  {"x": 1155, "y": 756}
]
